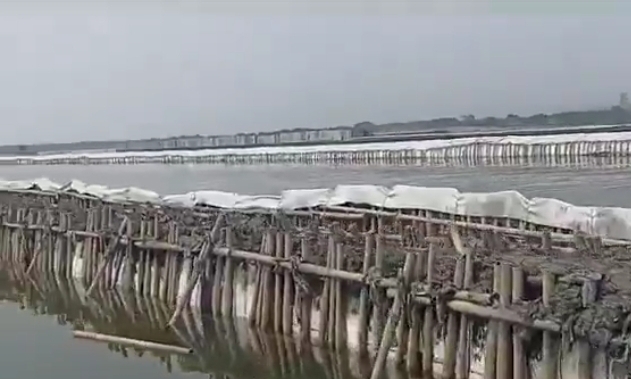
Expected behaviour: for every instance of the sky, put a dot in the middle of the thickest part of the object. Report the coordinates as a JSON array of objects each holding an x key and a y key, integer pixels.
[{"x": 92, "y": 70}]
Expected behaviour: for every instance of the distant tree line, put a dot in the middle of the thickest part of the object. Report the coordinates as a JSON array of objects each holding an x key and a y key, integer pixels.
[{"x": 613, "y": 116}]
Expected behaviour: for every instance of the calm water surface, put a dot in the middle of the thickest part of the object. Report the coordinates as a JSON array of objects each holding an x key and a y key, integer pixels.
[
  {"x": 592, "y": 185},
  {"x": 36, "y": 341}
]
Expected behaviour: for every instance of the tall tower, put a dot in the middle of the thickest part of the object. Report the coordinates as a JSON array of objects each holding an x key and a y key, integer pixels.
[{"x": 624, "y": 101}]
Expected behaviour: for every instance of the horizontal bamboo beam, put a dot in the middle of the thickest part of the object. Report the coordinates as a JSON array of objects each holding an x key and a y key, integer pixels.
[
  {"x": 344, "y": 212},
  {"x": 469, "y": 225}
]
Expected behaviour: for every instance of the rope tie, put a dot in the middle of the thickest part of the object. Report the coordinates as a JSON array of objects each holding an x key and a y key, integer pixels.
[{"x": 276, "y": 267}]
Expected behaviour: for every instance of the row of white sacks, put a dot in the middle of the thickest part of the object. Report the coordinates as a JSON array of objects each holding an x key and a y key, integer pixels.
[
  {"x": 608, "y": 222},
  {"x": 618, "y": 144}
]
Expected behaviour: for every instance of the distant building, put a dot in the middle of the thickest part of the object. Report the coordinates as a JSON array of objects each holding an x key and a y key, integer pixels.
[{"x": 624, "y": 101}]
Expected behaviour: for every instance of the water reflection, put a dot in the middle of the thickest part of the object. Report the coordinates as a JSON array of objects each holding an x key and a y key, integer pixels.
[{"x": 222, "y": 348}]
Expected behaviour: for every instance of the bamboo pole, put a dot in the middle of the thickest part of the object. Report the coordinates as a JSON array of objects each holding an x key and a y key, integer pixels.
[
  {"x": 142, "y": 257},
  {"x": 463, "y": 364},
  {"x": 278, "y": 285},
  {"x": 403, "y": 325},
  {"x": 254, "y": 313},
  {"x": 306, "y": 299},
  {"x": 414, "y": 353},
  {"x": 132, "y": 342},
  {"x": 324, "y": 298},
  {"x": 331, "y": 333},
  {"x": 129, "y": 271},
  {"x": 288, "y": 297},
  {"x": 340, "y": 309},
  {"x": 585, "y": 357},
  {"x": 266, "y": 304},
  {"x": 108, "y": 256},
  {"x": 395, "y": 314},
  {"x": 504, "y": 340},
  {"x": 520, "y": 365},
  {"x": 428, "y": 321},
  {"x": 364, "y": 298},
  {"x": 378, "y": 308},
  {"x": 453, "y": 320},
  {"x": 197, "y": 270},
  {"x": 549, "y": 364},
  {"x": 228, "y": 286},
  {"x": 490, "y": 355}
]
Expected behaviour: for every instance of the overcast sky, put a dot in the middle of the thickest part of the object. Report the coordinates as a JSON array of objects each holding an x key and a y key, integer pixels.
[{"x": 76, "y": 72}]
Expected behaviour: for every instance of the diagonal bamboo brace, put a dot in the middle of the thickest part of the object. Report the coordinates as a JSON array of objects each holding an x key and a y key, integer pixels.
[
  {"x": 114, "y": 244},
  {"x": 197, "y": 269}
]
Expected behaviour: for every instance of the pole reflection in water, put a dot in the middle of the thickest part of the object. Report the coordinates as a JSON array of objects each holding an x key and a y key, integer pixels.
[{"x": 222, "y": 348}]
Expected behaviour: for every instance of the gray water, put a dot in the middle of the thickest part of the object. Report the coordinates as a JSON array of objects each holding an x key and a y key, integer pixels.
[
  {"x": 34, "y": 346},
  {"x": 601, "y": 185}
]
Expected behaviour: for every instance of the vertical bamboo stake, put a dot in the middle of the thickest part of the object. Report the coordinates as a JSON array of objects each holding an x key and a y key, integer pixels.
[
  {"x": 254, "y": 313},
  {"x": 519, "y": 358},
  {"x": 173, "y": 265},
  {"x": 340, "y": 309},
  {"x": 378, "y": 310},
  {"x": 147, "y": 277},
  {"x": 118, "y": 265},
  {"x": 278, "y": 285},
  {"x": 217, "y": 280},
  {"x": 60, "y": 248},
  {"x": 15, "y": 239},
  {"x": 324, "y": 298},
  {"x": 287, "y": 289},
  {"x": 490, "y": 355},
  {"x": 95, "y": 248},
  {"x": 546, "y": 242},
  {"x": 585, "y": 358},
  {"x": 414, "y": 354},
  {"x": 504, "y": 340},
  {"x": 364, "y": 297},
  {"x": 464, "y": 350},
  {"x": 332, "y": 298},
  {"x": 28, "y": 241},
  {"x": 268, "y": 298},
  {"x": 451, "y": 341},
  {"x": 129, "y": 270},
  {"x": 114, "y": 257},
  {"x": 395, "y": 314},
  {"x": 163, "y": 269},
  {"x": 428, "y": 322},
  {"x": 87, "y": 248},
  {"x": 228, "y": 287},
  {"x": 549, "y": 365},
  {"x": 50, "y": 246},
  {"x": 306, "y": 298},
  {"x": 37, "y": 248},
  {"x": 70, "y": 248},
  {"x": 142, "y": 256},
  {"x": 403, "y": 326}
]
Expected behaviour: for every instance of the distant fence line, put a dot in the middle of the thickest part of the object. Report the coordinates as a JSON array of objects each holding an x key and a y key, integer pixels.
[
  {"x": 469, "y": 151},
  {"x": 301, "y": 137}
]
